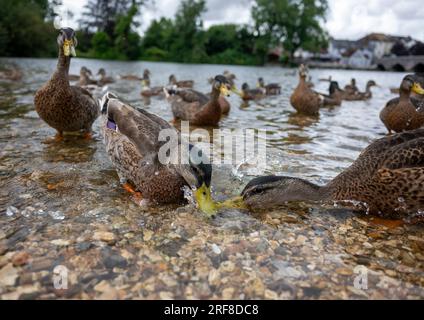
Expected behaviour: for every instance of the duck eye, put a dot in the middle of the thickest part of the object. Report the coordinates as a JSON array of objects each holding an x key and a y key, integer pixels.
[{"x": 204, "y": 193}]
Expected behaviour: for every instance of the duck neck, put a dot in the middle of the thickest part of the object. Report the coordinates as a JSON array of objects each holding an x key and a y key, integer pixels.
[
  {"x": 311, "y": 192},
  {"x": 404, "y": 95},
  {"x": 63, "y": 62},
  {"x": 215, "y": 94}
]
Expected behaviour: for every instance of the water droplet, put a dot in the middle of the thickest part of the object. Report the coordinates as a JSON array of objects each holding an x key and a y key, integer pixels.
[
  {"x": 11, "y": 211},
  {"x": 57, "y": 215}
]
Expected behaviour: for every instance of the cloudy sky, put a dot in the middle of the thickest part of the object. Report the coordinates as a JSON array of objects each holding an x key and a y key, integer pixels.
[{"x": 347, "y": 19}]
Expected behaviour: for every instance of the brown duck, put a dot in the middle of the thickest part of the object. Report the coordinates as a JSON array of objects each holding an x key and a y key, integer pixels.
[
  {"x": 200, "y": 113},
  {"x": 66, "y": 108},
  {"x": 180, "y": 84},
  {"x": 270, "y": 88},
  {"x": 406, "y": 112},
  {"x": 132, "y": 142},
  {"x": 304, "y": 99},
  {"x": 388, "y": 177},
  {"x": 246, "y": 93},
  {"x": 191, "y": 95},
  {"x": 104, "y": 79},
  {"x": 360, "y": 96}
]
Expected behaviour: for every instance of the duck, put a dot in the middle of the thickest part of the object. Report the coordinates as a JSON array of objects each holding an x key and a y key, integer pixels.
[
  {"x": 406, "y": 112},
  {"x": 104, "y": 79},
  {"x": 335, "y": 96},
  {"x": 361, "y": 96},
  {"x": 132, "y": 77},
  {"x": 146, "y": 90},
  {"x": 76, "y": 77},
  {"x": 191, "y": 95},
  {"x": 201, "y": 112},
  {"x": 304, "y": 99},
  {"x": 64, "y": 107},
  {"x": 181, "y": 83},
  {"x": 131, "y": 138},
  {"x": 387, "y": 178},
  {"x": 270, "y": 88},
  {"x": 84, "y": 78},
  {"x": 251, "y": 94},
  {"x": 351, "y": 88},
  {"x": 12, "y": 72}
]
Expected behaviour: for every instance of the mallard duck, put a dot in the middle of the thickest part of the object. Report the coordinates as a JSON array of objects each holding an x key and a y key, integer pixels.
[
  {"x": 251, "y": 94},
  {"x": 388, "y": 177},
  {"x": 104, "y": 79},
  {"x": 335, "y": 96},
  {"x": 66, "y": 108},
  {"x": 200, "y": 112},
  {"x": 191, "y": 95},
  {"x": 132, "y": 142},
  {"x": 132, "y": 77},
  {"x": 84, "y": 79},
  {"x": 146, "y": 90},
  {"x": 75, "y": 77},
  {"x": 351, "y": 88},
  {"x": 270, "y": 88},
  {"x": 406, "y": 112},
  {"x": 11, "y": 72},
  {"x": 181, "y": 83},
  {"x": 361, "y": 96},
  {"x": 304, "y": 99}
]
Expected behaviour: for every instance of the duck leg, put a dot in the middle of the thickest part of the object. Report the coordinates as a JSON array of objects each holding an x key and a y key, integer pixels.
[
  {"x": 137, "y": 197},
  {"x": 57, "y": 138}
]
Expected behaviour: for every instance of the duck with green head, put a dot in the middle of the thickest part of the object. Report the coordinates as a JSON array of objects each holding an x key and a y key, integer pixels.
[{"x": 132, "y": 142}]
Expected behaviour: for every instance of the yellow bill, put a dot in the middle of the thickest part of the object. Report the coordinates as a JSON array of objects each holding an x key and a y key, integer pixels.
[
  {"x": 69, "y": 48},
  {"x": 417, "y": 88},
  {"x": 224, "y": 90},
  {"x": 234, "y": 203},
  {"x": 204, "y": 199},
  {"x": 236, "y": 91}
]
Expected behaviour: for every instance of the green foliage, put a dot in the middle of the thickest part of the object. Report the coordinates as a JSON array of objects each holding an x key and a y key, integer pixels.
[
  {"x": 24, "y": 30},
  {"x": 292, "y": 23}
]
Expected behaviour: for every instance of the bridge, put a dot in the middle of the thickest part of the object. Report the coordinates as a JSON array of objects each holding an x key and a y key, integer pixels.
[{"x": 405, "y": 63}]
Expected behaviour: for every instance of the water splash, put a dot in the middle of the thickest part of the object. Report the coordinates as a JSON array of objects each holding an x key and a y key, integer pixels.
[
  {"x": 57, "y": 215},
  {"x": 11, "y": 211}
]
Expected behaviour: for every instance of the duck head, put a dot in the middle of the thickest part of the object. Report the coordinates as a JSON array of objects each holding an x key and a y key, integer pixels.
[
  {"x": 221, "y": 84},
  {"x": 101, "y": 72},
  {"x": 303, "y": 72},
  {"x": 261, "y": 83},
  {"x": 67, "y": 41},
  {"x": 411, "y": 83},
  {"x": 198, "y": 175}
]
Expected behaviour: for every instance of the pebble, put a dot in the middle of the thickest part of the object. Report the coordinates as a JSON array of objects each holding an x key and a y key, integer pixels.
[
  {"x": 57, "y": 215},
  {"x": 228, "y": 293},
  {"x": 60, "y": 242},
  {"x": 147, "y": 235},
  {"x": 104, "y": 236},
  {"x": 166, "y": 295},
  {"x": 11, "y": 211},
  {"x": 20, "y": 258},
  {"x": 216, "y": 249},
  {"x": 270, "y": 295},
  {"x": 8, "y": 275}
]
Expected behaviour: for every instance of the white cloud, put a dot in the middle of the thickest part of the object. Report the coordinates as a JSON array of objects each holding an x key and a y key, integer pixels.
[{"x": 349, "y": 19}]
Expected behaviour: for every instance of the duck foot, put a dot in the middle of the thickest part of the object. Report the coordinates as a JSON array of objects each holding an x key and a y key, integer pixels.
[
  {"x": 57, "y": 138},
  {"x": 88, "y": 136}
]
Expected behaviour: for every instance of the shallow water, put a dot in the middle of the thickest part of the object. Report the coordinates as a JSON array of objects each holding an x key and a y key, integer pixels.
[{"x": 66, "y": 194}]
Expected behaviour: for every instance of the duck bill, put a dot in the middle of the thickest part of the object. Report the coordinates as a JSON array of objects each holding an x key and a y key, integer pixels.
[
  {"x": 204, "y": 199},
  {"x": 417, "y": 88},
  {"x": 236, "y": 91},
  {"x": 69, "y": 49},
  {"x": 224, "y": 91}
]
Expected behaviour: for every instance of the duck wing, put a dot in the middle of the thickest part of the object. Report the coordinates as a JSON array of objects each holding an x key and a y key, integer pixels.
[
  {"x": 418, "y": 104},
  {"x": 190, "y": 95},
  {"x": 140, "y": 127}
]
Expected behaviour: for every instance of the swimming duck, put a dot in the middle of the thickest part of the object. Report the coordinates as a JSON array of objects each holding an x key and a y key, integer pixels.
[
  {"x": 388, "y": 177},
  {"x": 12, "y": 72},
  {"x": 200, "y": 113},
  {"x": 304, "y": 99},
  {"x": 251, "y": 94},
  {"x": 335, "y": 96},
  {"x": 270, "y": 88},
  {"x": 351, "y": 89},
  {"x": 181, "y": 83},
  {"x": 361, "y": 96},
  {"x": 132, "y": 142},
  {"x": 132, "y": 77},
  {"x": 406, "y": 112},
  {"x": 103, "y": 78},
  {"x": 84, "y": 79},
  {"x": 63, "y": 107},
  {"x": 75, "y": 77},
  {"x": 191, "y": 95}
]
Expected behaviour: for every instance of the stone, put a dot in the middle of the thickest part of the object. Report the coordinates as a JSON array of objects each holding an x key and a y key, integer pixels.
[
  {"x": 8, "y": 275},
  {"x": 60, "y": 242},
  {"x": 214, "y": 277},
  {"x": 166, "y": 295},
  {"x": 147, "y": 235},
  {"x": 228, "y": 293},
  {"x": 20, "y": 258},
  {"x": 104, "y": 236},
  {"x": 270, "y": 295}
]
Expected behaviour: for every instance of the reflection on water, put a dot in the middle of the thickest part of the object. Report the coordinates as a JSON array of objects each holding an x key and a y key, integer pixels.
[{"x": 73, "y": 182}]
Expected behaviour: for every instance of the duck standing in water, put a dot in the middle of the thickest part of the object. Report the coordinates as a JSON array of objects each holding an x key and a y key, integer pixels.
[
  {"x": 63, "y": 107},
  {"x": 406, "y": 112},
  {"x": 251, "y": 94},
  {"x": 351, "y": 89},
  {"x": 132, "y": 142},
  {"x": 201, "y": 112},
  {"x": 304, "y": 99},
  {"x": 388, "y": 177},
  {"x": 270, "y": 89},
  {"x": 84, "y": 78}
]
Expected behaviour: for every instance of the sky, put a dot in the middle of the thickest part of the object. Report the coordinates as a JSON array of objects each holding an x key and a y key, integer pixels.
[{"x": 347, "y": 19}]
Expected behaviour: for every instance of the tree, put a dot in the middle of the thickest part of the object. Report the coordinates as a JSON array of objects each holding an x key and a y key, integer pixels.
[
  {"x": 187, "y": 42},
  {"x": 293, "y": 24}
]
